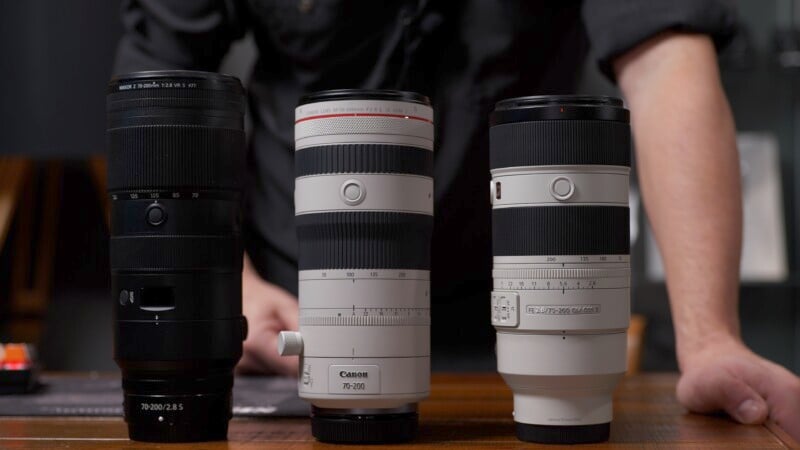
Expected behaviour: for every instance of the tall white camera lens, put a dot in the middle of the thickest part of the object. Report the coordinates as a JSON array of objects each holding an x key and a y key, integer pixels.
[
  {"x": 561, "y": 261},
  {"x": 364, "y": 217}
]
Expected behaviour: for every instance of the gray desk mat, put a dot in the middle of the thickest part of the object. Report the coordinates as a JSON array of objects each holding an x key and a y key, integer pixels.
[{"x": 102, "y": 396}]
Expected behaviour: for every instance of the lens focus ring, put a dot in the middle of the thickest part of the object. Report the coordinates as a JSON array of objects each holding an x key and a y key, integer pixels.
[{"x": 160, "y": 156}]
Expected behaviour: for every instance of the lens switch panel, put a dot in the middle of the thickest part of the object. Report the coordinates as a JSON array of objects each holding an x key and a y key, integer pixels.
[{"x": 505, "y": 309}]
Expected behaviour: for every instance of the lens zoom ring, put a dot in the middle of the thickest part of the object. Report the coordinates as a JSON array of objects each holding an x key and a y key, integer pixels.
[
  {"x": 560, "y": 142},
  {"x": 148, "y": 253},
  {"x": 561, "y": 230},
  {"x": 364, "y": 240},
  {"x": 187, "y": 157},
  {"x": 363, "y": 158}
]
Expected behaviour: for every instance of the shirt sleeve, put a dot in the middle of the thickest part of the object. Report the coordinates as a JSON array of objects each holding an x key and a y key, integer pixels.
[
  {"x": 616, "y": 26},
  {"x": 176, "y": 34}
]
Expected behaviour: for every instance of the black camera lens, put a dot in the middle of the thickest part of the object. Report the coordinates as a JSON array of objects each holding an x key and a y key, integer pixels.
[{"x": 175, "y": 165}]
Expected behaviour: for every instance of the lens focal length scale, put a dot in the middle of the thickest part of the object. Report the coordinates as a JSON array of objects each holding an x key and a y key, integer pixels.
[
  {"x": 561, "y": 279},
  {"x": 560, "y": 299}
]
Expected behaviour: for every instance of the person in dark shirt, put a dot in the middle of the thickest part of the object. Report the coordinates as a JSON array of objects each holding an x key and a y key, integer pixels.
[{"x": 466, "y": 55}]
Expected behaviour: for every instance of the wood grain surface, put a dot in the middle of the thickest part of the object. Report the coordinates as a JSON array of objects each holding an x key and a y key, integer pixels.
[{"x": 464, "y": 411}]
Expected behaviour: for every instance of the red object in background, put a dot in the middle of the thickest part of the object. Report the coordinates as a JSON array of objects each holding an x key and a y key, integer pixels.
[
  {"x": 15, "y": 357},
  {"x": 19, "y": 371}
]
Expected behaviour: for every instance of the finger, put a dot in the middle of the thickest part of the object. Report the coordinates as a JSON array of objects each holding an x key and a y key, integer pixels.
[
  {"x": 286, "y": 309},
  {"x": 257, "y": 361},
  {"x": 710, "y": 391},
  {"x": 782, "y": 393},
  {"x": 288, "y": 313},
  {"x": 249, "y": 365}
]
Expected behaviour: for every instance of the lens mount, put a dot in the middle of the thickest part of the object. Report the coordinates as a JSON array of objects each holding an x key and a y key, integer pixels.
[
  {"x": 364, "y": 427},
  {"x": 555, "y": 434}
]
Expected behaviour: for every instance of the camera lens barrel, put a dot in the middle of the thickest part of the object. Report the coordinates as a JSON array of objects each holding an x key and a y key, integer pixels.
[
  {"x": 561, "y": 260},
  {"x": 364, "y": 218},
  {"x": 175, "y": 165}
]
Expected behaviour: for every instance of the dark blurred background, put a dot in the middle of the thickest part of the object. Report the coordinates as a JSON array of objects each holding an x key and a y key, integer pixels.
[{"x": 56, "y": 59}]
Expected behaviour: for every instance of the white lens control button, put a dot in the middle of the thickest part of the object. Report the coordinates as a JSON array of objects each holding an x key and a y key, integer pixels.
[
  {"x": 353, "y": 192},
  {"x": 562, "y": 188},
  {"x": 290, "y": 343}
]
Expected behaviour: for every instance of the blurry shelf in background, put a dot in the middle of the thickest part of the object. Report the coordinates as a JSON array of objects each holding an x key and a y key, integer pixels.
[
  {"x": 30, "y": 200},
  {"x": 13, "y": 171},
  {"x": 98, "y": 165}
]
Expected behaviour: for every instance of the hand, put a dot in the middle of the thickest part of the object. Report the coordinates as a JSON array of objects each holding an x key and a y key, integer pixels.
[
  {"x": 269, "y": 310},
  {"x": 727, "y": 376}
]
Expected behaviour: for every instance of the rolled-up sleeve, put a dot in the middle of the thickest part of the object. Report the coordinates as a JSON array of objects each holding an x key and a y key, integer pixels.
[
  {"x": 616, "y": 26},
  {"x": 176, "y": 34}
]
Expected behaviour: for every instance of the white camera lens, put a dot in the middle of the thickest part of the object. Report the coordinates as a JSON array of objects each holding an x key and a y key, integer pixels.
[
  {"x": 561, "y": 261},
  {"x": 364, "y": 218}
]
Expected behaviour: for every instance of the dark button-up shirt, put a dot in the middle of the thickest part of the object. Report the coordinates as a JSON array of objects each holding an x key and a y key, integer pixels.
[{"x": 465, "y": 55}]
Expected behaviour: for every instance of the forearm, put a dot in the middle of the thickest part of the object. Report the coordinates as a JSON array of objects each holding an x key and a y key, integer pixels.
[{"x": 689, "y": 176}]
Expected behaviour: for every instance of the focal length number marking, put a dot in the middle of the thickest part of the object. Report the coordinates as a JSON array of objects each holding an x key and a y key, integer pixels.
[
  {"x": 561, "y": 279},
  {"x": 145, "y": 194},
  {"x": 380, "y": 274},
  {"x": 161, "y": 406}
]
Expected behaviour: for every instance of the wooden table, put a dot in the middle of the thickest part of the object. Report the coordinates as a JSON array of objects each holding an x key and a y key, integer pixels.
[{"x": 464, "y": 411}]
